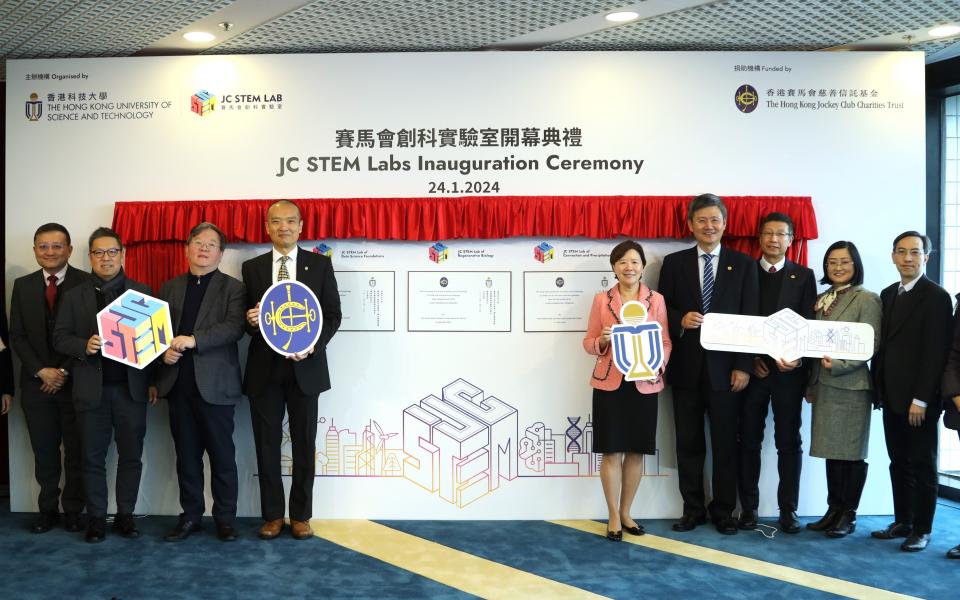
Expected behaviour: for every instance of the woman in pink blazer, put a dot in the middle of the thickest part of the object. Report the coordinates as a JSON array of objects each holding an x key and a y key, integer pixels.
[{"x": 624, "y": 413}]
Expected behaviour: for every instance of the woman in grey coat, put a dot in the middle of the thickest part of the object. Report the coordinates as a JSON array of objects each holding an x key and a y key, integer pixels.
[{"x": 841, "y": 392}]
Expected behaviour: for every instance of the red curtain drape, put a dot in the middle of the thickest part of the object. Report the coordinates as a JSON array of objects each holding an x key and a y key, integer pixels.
[{"x": 154, "y": 232}]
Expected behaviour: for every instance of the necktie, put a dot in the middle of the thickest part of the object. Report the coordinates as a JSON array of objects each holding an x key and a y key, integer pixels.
[
  {"x": 772, "y": 269},
  {"x": 283, "y": 273},
  {"x": 707, "y": 282},
  {"x": 901, "y": 290},
  {"x": 51, "y": 292}
]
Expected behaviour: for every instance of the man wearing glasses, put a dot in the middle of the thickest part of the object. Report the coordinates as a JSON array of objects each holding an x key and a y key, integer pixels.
[
  {"x": 45, "y": 379},
  {"x": 783, "y": 284},
  {"x": 110, "y": 398},
  {"x": 200, "y": 377},
  {"x": 914, "y": 341}
]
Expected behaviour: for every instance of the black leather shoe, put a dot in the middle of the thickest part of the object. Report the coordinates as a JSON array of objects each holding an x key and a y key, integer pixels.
[
  {"x": 954, "y": 552},
  {"x": 845, "y": 525},
  {"x": 789, "y": 522},
  {"x": 747, "y": 520},
  {"x": 893, "y": 530},
  {"x": 689, "y": 522},
  {"x": 726, "y": 526},
  {"x": 226, "y": 533},
  {"x": 615, "y": 536},
  {"x": 916, "y": 542},
  {"x": 125, "y": 526},
  {"x": 96, "y": 530},
  {"x": 71, "y": 522},
  {"x": 45, "y": 522},
  {"x": 182, "y": 531},
  {"x": 638, "y": 530},
  {"x": 827, "y": 521}
]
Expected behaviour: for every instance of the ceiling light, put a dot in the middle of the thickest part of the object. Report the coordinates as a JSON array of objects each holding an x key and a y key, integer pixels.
[
  {"x": 944, "y": 31},
  {"x": 622, "y": 16},
  {"x": 198, "y": 36}
]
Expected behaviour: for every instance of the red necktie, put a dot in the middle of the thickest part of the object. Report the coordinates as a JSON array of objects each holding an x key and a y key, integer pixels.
[
  {"x": 772, "y": 269},
  {"x": 51, "y": 291}
]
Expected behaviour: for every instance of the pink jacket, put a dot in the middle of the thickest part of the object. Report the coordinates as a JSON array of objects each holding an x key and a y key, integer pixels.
[{"x": 605, "y": 312}]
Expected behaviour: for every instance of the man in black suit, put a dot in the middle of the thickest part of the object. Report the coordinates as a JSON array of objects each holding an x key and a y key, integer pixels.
[
  {"x": 707, "y": 277},
  {"x": 274, "y": 382},
  {"x": 110, "y": 398},
  {"x": 783, "y": 284},
  {"x": 914, "y": 341},
  {"x": 951, "y": 392},
  {"x": 200, "y": 376},
  {"x": 45, "y": 381}
]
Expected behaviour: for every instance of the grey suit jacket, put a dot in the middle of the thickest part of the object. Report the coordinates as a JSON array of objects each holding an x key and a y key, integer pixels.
[
  {"x": 860, "y": 306},
  {"x": 220, "y": 323}
]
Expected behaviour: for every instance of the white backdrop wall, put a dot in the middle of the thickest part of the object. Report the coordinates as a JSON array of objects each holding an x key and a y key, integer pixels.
[{"x": 110, "y": 130}]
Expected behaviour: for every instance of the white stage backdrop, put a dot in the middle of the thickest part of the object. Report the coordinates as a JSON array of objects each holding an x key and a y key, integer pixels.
[{"x": 423, "y": 338}]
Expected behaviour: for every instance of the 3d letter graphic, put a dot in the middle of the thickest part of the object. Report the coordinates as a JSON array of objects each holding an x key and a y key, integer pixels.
[
  {"x": 637, "y": 343},
  {"x": 135, "y": 328}
]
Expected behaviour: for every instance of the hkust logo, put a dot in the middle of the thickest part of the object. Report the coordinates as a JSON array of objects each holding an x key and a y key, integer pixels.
[
  {"x": 34, "y": 107},
  {"x": 746, "y": 98},
  {"x": 637, "y": 344}
]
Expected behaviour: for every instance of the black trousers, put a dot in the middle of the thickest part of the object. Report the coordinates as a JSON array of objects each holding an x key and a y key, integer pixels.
[
  {"x": 197, "y": 427},
  {"x": 913, "y": 469},
  {"x": 722, "y": 410},
  {"x": 126, "y": 419},
  {"x": 51, "y": 421},
  {"x": 787, "y": 400},
  {"x": 845, "y": 481},
  {"x": 266, "y": 411}
]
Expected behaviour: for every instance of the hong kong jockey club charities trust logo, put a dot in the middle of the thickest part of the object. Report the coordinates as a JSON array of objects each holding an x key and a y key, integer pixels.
[
  {"x": 203, "y": 103},
  {"x": 290, "y": 317},
  {"x": 746, "y": 98},
  {"x": 34, "y": 107}
]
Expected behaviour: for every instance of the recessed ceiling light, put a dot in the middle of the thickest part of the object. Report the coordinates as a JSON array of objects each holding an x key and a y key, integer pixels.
[
  {"x": 198, "y": 36},
  {"x": 944, "y": 31},
  {"x": 622, "y": 16}
]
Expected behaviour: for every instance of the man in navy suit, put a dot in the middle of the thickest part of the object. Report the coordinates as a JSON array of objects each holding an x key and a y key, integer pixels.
[
  {"x": 783, "y": 284},
  {"x": 275, "y": 383},
  {"x": 707, "y": 277}
]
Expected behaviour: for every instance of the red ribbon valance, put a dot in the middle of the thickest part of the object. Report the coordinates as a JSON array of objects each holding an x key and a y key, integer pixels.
[{"x": 154, "y": 232}]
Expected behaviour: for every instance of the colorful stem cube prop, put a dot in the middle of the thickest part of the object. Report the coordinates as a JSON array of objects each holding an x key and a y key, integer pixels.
[{"x": 135, "y": 328}]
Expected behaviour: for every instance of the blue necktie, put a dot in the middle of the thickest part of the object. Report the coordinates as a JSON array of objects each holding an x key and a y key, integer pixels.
[{"x": 707, "y": 282}]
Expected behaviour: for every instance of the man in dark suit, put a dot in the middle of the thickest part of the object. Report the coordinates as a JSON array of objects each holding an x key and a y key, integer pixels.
[
  {"x": 914, "y": 341},
  {"x": 200, "y": 376},
  {"x": 274, "y": 382},
  {"x": 45, "y": 381},
  {"x": 951, "y": 392},
  {"x": 705, "y": 278},
  {"x": 783, "y": 284},
  {"x": 110, "y": 398}
]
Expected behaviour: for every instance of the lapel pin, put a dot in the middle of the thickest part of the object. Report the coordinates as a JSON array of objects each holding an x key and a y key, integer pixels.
[
  {"x": 729, "y": 268},
  {"x": 793, "y": 277},
  {"x": 306, "y": 268}
]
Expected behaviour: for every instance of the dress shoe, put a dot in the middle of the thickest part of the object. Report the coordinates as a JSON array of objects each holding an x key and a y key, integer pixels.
[
  {"x": 845, "y": 525},
  {"x": 689, "y": 522},
  {"x": 45, "y": 522},
  {"x": 747, "y": 520},
  {"x": 125, "y": 526},
  {"x": 635, "y": 530},
  {"x": 96, "y": 530},
  {"x": 726, "y": 525},
  {"x": 271, "y": 529},
  {"x": 615, "y": 536},
  {"x": 893, "y": 530},
  {"x": 182, "y": 531},
  {"x": 916, "y": 542},
  {"x": 71, "y": 522},
  {"x": 301, "y": 530},
  {"x": 954, "y": 552},
  {"x": 226, "y": 532},
  {"x": 827, "y": 521},
  {"x": 789, "y": 522}
]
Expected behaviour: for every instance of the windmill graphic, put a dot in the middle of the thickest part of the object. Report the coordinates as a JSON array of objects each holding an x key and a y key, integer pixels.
[{"x": 380, "y": 452}]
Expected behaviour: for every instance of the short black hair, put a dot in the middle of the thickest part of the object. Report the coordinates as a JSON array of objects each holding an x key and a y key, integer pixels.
[
  {"x": 706, "y": 201},
  {"x": 622, "y": 248},
  {"x": 927, "y": 244},
  {"x": 850, "y": 247},
  {"x": 777, "y": 217},
  {"x": 201, "y": 227},
  {"x": 49, "y": 227},
  {"x": 288, "y": 202},
  {"x": 100, "y": 232}
]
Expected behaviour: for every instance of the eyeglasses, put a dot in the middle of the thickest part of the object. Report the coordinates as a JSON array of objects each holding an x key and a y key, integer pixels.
[
  {"x": 839, "y": 263},
  {"x": 913, "y": 253},
  {"x": 111, "y": 252},
  {"x": 204, "y": 245},
  {"x": 775, "y": 234},
  {"x": 49, "y": 247}
]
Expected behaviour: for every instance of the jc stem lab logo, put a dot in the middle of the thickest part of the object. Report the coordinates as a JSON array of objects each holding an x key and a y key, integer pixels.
[
  {"x": 34, "y": 107},
  {"x": 203, "y": 103},
  {"x": 746, "y": 98}
]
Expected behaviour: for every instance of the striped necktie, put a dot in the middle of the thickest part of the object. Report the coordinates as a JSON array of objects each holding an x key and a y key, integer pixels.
[
  {"x": 283, "y": 273},
  {"x": 707, "y": 282}
]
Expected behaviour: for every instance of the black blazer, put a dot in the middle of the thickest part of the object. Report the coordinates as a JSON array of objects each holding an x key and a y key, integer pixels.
[
  {"x": 30, "y": 337},
  {"x": 6, "y": 362},
  {"x": 220, "y": 323},
  {"x": 798, "y": 292},
  {"x": 915, "y": 343},
  {"x": 76, "y": 322},
  {"x": 316, "y": 272},
  {"x": 735, "y": 290},
  {"x": 950, "y": 385}
]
